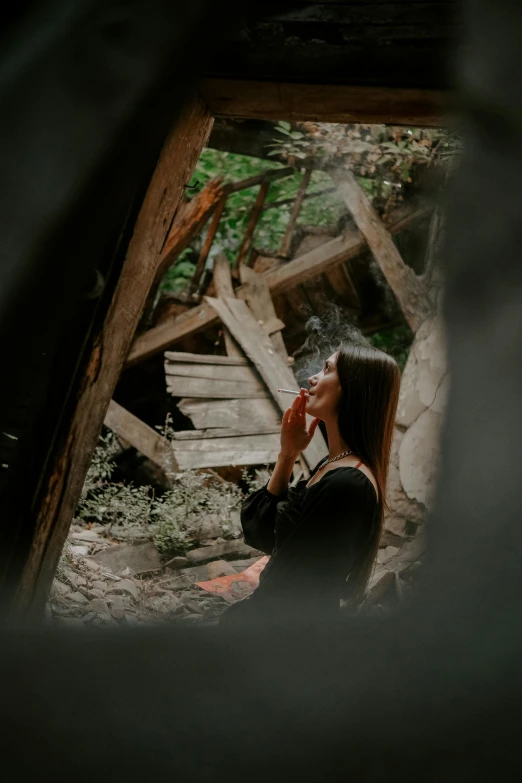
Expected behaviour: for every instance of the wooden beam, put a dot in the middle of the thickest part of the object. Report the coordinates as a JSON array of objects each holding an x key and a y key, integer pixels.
[
  {"x": 200, "y": 358},
  {"x": 256, "y": 293},
  {"x": 241, "y": 99},
  {"x": 189, "y": 222},
  {"x": 284, "y": 250},
  {"x": 252, "y": 223},
  {"x": 157, "y": 339},
  {"x": 132, "y": 429},
  {"x": 407, "y": 287},
  {"x": 207, "y": 244},
  {"x": 280, "y": 280},
  {"x": 224, "y": 288},
  {"x": 69, "y": 463}
]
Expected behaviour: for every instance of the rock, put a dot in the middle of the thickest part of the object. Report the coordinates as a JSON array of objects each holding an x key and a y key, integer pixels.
[
  {"x": 77, "y": 597},
  {"x": 177, "y": 562},
  {"x": 86, "y": 535},
  {"x": 384, "y": 555},
  {"x": 89, "y": 617},
  {"x": 117, "y": 607},
  {"x": 203, "y": 528},
  {"x": 242, "y": 565},
  {"x": 192, "y": 606},
  {"x": 424, "y": 371},
  {"x": 99, "y": 585},
  {"x": 74, "y": 578},
  {"x": 419, "y": 457},
  {"x": 79, "y": 551},
  {"x": 220, "y": 568},
  {"x": 230, "y": 550},
  {"x": 59, "y": 588},
  {"x": 96, "y": 593},
  {"x": 99, "y": 606},
  {"x": 186, "y": 577},
  {"x": 124, "y": 586},
  {"x": 138, "y": 558},
  {"x": 91, "y": 565}
]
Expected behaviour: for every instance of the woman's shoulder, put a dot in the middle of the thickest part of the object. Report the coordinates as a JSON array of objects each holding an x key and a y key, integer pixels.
[{"x": 347, "y": 477}]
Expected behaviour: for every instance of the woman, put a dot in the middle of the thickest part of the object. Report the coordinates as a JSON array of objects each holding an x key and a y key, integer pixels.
[{"x": 323, "y": 534}]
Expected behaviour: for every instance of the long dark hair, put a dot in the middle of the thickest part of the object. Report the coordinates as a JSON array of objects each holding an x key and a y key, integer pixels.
[{"x": 370, "y": 383}]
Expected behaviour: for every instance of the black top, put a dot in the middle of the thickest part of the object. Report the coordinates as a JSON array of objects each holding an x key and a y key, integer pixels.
[{"x": 314, "y": 535}]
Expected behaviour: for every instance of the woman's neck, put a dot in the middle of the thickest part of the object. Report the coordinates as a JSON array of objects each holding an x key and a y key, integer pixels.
[{"x": 336, "y": 444}]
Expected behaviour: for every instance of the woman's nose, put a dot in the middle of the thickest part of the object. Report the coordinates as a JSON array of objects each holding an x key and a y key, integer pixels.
[{"x": 312, "y": 380}]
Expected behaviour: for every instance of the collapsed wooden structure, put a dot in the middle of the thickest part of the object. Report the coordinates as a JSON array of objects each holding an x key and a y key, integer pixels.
[
  {"x": 69, "y": 327},
  {"x": 232, "y": 400}
]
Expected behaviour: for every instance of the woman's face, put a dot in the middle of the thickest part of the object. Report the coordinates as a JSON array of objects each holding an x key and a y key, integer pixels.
[{"x": 325, "y": 391}]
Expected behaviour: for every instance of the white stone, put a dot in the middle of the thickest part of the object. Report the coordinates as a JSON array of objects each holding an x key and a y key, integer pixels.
[
  {"x": 77, "y": 597},
  {"x": 419, "y": 456},
  {"x": 79, "y": 551},
  {"x": 423, "y": 373}
]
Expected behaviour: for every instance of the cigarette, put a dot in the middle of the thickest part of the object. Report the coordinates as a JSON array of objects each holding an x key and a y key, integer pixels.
[{"x": 289, "y": 391}]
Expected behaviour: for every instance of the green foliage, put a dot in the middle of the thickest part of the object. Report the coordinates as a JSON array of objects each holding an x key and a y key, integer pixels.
[
  {"x": 102, "y": 464},
  {"x": 395, "y": 341},
  {"x": 166, "y": 519},
  {"x": 272, "y": 224},
  {"x": 189, "y": 502}
]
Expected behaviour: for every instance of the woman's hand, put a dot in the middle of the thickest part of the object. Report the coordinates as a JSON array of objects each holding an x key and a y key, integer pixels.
[{"x": 294, "y": 435}]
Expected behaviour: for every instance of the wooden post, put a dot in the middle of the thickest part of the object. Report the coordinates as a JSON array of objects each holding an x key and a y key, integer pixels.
[
  {"x": 403, "y": 281},
  {"x": 252, "y": 223},
  {"x": 284, "y": 250},
  {"x": 185, "y": 224},
  {"x": 72, "y": 455},
  {"x": 225, "y": 289},
  {"x": 205, "y": 250}
]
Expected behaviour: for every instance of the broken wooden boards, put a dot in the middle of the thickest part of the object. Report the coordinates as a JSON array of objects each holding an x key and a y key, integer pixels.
[
  {"x": 146, "y": 440},
  {"x": 272, "y": 368},
  {"x": 236, "y": 420},
  {"x": 209, "y": 377}
]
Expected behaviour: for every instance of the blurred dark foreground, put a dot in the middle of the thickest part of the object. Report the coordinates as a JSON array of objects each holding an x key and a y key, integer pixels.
[{"x": 432, "y": 692}]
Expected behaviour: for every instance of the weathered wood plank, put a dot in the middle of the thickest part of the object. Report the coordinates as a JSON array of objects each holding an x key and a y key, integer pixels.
[
  {"x": 239, "y": 443},
  {"x": 270, "y": 365},
  {"x": 233, "y": 414},
  {"x": 132, "y": 429},
  {"x": 69, "y": 466},
  {"x": 218, "y": 372},
  {"x": 190, "y": 221},
  {"x": 252, "y": 223},
  {"x": 284, "y": 250},
  {"x": 221, "y": 459},
  {"x": 200, "y": 358},
  {"x": 223, "y": 433},
  {"x": 207, "y": 244},
  {"x": 256, "y": 293},
  {"x": 157, "y": 339},
  {"x": 224, "y": 288},
  {"x": 275, "y": 100},
  {"x": 403, "y": 281},
  {"x": 214, "y": 389}
]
